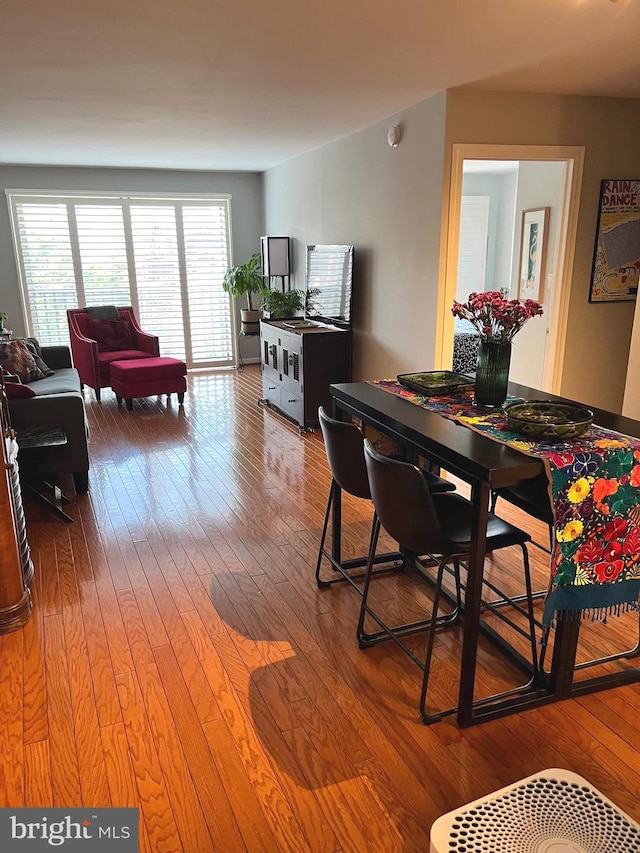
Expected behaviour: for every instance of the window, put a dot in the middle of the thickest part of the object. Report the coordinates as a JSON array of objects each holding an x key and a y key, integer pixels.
[
  {"x": 165, "y": 256},
  {"x": 472, "y": 250}
]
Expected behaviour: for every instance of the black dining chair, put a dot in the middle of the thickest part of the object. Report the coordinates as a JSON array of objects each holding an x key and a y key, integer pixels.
[
  {"x": 343, "y": 442},
  {"x": 440, "y": 527},
  {"x": 532, "y": 497}
]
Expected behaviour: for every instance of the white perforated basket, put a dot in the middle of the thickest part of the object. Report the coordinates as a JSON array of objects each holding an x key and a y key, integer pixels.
[{"x": 554, "y": 811}]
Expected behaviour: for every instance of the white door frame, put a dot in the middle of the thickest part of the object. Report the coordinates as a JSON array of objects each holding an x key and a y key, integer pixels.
[{"x": 573, "y": 156}]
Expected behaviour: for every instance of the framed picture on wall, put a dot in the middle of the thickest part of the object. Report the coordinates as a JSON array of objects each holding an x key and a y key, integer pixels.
[
  {"x": 616, "y": 256},
  {"x": 533, "y": 250}
]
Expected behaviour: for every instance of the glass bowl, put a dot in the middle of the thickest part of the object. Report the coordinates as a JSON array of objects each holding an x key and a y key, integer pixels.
[{"x": 543, "y": 419}]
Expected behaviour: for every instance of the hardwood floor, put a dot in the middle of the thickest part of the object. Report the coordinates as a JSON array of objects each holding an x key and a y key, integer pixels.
[{"x": 180, "y": 658}]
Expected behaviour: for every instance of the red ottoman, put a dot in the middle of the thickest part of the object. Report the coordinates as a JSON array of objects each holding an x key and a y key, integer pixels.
[{"x": 145, "y": 377}]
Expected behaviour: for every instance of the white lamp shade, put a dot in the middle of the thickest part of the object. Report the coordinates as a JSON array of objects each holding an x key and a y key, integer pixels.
[{"x": 275, "y": 255}]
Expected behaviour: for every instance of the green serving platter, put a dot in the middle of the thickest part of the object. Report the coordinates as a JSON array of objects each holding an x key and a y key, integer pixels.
[
  {"x": 434, "y": 382},
  {"x": 543, "y": 419}
]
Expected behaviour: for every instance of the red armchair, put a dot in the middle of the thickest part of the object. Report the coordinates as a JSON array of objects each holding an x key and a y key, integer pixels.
[{"x": 96, "y": 343}]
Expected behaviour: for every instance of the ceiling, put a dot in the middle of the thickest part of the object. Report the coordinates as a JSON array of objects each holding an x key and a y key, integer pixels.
[{"x": 248, "y": 84}]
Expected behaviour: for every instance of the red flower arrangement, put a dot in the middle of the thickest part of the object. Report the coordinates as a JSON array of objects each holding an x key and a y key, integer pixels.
[{"x": 495, "y": 317}]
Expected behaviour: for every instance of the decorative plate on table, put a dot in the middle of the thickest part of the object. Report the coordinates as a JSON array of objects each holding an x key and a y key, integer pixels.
[
  {"x": 547, "y": 419},
  {"x": 434, "y": 382}
]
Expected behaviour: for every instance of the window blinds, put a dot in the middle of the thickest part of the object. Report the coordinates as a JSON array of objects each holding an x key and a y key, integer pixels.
[{"x": 166, "y": 257}]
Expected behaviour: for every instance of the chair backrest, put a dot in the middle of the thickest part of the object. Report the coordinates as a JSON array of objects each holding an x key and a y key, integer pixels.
[
  {"x": 343, "y": 446},
  {"x": 404, "y": 504},
  {"x": 78, "y": 318}
]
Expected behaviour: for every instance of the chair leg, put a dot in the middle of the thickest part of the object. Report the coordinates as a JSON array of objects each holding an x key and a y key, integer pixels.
[
  {"x": 537, "y": 663},
  {"x": 395, "y": 632},
  {"x": 323, "y": 537},
  {"x": 97, "y": 393},
  {"x": 361, "y": 636},
  {"x": 392, "y": 562},
  {"x": 434, "y": 718},
  {"x": 492, "y": 508}
]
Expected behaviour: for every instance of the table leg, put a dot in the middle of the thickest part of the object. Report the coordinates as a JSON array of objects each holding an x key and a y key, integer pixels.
[
  {"x": 565, "y": 647},
  {"x": 54, "y": 502},
  {"x": 472, "y": 602}
]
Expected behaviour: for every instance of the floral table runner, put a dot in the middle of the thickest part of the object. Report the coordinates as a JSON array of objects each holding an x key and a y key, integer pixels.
[{"x": 595, "y": 490}]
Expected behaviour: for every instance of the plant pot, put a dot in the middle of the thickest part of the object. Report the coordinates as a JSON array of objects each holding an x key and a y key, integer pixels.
[{"x": 250, "y": 322}]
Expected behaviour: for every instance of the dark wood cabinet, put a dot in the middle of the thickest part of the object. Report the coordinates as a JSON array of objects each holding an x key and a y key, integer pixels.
[{"x": 298, "y": 366}]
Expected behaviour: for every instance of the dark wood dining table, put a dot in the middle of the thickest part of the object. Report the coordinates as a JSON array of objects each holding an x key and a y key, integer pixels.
[{"x": 485, "y": 464}]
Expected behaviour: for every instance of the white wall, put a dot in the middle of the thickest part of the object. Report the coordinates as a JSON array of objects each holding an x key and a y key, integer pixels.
[
  {"x": 387, "y": 203},
  {"x": 246, "y": 212}
]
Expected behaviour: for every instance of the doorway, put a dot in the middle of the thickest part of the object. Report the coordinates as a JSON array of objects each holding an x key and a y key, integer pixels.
[{"x": 490, "y": 188}]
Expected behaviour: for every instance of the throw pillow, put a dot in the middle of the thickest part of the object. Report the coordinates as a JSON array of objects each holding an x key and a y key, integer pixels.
[
  {"x": 101, "y": 312},
  {"x": 33, "y": 346},
  {"x": 16, "y": 358},
  {"x": 111, "y": 335},
  {"x": 14, "y": 390}
]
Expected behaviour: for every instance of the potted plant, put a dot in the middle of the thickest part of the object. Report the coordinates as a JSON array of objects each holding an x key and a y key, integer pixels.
[
  {"x": 245, "y": 280},
  {"x": 281, "y": 304}
]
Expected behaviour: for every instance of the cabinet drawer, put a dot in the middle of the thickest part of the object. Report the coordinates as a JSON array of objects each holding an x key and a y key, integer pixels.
[
  {"x": 271, "y": 389},
  {"x": 292, "y": 404}
]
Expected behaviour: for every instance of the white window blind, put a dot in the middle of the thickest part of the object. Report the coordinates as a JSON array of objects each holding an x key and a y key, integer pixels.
[
  {"x": 472, "y": 249},
  {"x": 155, "y": 248},
  {"x": 46, "y": 259},
  {"x": 166, "y": 257},
  {"x": 103, "y": 254},
  {"x": 206, "y": 261}
]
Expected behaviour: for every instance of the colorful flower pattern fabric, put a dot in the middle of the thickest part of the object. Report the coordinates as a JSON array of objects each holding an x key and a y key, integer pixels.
[{"x": 595, "y": 489}]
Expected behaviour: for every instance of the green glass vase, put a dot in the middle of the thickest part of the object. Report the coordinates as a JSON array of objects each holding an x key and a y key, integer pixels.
[{"x": 492, "y": 373}]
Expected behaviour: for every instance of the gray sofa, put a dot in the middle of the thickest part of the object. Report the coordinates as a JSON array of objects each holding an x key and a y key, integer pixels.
[{"x": 58, "y": 403}]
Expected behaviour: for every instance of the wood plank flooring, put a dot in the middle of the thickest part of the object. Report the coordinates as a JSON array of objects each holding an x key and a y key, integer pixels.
[{"x": 181, "y": 660}]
